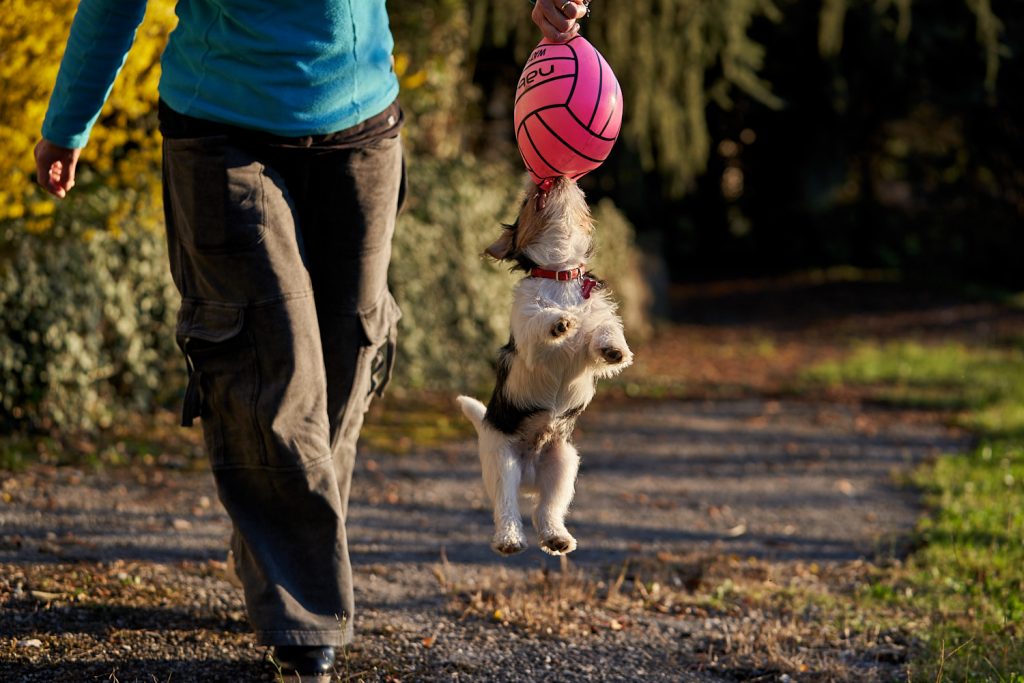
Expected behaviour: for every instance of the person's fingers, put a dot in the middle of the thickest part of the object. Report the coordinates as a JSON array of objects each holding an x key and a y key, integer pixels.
[
  {"x": 573, "y": 9},
  {"x": 557, "y": 18},
  {"x": 555, "y": 36},
  {"x": 66, "y": 176},
  {"x": 54, "y": 183},
  {"x": 55, "y": 167}
]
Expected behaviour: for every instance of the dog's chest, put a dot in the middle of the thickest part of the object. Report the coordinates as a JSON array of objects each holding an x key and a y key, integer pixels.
[
  {"x": 560, "y": 294},
  {"x": 540, "y": 429}
]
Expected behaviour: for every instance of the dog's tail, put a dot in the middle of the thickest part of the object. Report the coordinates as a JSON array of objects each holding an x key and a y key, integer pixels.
[{"x": 473, "y": 409}]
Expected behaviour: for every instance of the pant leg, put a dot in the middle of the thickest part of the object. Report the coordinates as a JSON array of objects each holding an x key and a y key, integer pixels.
[
  {"x": 249, "y": 328},
  {"x": 348, "y": 257}
]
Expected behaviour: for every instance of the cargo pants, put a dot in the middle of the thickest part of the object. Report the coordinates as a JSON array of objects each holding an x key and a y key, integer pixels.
[{"x": 288, "y": 330}]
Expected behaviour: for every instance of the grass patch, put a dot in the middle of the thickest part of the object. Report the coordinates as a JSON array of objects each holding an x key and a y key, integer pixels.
[
  {"x": 966, "y": 580},
  {"x": 137, "y": 439},
  {"x": 985, "y": 385},
  {"x": 402, "y": 422}
]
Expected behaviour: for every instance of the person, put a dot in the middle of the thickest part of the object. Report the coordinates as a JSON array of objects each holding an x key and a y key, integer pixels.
[{"x": 283, "y": 176}]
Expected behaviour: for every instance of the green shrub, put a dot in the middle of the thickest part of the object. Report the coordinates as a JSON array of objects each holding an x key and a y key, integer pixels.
[
  {"x": 619, "y": 262},
  {"x": 454, "y": 303},
  {"x": 85, "y": 325}
]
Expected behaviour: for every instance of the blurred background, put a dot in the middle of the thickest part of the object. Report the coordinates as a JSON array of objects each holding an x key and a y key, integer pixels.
[{"x": 847, "y": 140}]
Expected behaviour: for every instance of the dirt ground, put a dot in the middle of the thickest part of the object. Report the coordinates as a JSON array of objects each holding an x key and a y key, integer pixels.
[{"x": 731, "y": 486}]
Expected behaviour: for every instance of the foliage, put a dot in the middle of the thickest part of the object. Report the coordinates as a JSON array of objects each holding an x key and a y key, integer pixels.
[
  {"x": 619, "y": 262},
  {"x": 432, "y": 62},
  {"x": 968, "y": 575},
  {"x": 897, "y": 147},
  {"x": 85, "y": 327},
  {"x": 454, "y": 304},
  {"x": 886, "y": 151}
]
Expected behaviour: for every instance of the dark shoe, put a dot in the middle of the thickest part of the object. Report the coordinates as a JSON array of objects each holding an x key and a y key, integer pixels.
[{"x": 305, "y": 660}]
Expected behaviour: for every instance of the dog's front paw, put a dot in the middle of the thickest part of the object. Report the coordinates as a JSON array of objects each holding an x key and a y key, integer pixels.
[
  {"x": 609, "y": 349},
  {"x": 613, "y": 355},
  {"x": 558, "y": 544},
  {"x": 564, "y": 327}
]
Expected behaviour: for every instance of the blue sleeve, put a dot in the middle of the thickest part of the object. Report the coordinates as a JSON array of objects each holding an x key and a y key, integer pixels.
[{"x": 101, "y": 34}]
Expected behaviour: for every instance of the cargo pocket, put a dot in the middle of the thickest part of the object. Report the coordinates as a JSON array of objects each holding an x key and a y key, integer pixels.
[
  {"x": 380, "y": 327},
  {"x": 223, "y": 379}
]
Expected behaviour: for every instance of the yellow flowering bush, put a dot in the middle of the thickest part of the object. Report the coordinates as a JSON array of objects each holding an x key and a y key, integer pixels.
[{"x": 124, "y": 148}]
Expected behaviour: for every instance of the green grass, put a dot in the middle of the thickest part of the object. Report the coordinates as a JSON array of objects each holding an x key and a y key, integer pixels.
[
  {"x": 985, "y": 384},
  {"x": 966, "y": 579},
  {"x": 399, "y": 423}
]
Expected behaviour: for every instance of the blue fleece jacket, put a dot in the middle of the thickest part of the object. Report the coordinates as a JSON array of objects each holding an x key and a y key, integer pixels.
[{"x": 287, "y": 67}]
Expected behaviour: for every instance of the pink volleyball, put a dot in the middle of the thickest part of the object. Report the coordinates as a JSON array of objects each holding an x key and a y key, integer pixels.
[{"x": 568, "y": 110}]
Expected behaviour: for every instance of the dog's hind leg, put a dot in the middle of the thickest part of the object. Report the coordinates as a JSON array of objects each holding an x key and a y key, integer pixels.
[
  {"x": 502, "y": 477},
  {"x": 556, "y": 484}
]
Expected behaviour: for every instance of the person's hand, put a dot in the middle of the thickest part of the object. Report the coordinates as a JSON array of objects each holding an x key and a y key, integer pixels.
[
  {"x": 55, "y": 167},
  {"x": 557, "y": 18}
]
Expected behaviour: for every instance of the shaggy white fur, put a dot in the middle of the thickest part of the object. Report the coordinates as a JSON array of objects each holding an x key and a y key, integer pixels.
[{"x": 561, "y": 342}]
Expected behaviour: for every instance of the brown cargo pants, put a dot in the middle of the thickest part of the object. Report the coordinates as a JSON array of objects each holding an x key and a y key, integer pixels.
[{"x": 281, "y": 256}]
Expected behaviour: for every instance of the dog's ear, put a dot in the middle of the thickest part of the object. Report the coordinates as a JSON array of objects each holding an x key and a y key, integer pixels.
[{"x": 502, "y": 247}]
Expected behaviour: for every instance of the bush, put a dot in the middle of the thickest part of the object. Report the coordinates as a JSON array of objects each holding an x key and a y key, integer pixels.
[
  {"x": 454, "y": 303},
  {"x": 619, "y": 262},
  {"x": 124, "y": 148},
  {"x": 85, "y": 327},
  {"x": 86, "y": 303}
]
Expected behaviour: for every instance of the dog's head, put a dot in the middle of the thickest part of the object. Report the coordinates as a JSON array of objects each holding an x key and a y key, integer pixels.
[{"x": 553, "y": 230}]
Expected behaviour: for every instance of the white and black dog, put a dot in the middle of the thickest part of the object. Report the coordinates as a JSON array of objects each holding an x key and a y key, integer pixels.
[{"x": 565, "y": 335}]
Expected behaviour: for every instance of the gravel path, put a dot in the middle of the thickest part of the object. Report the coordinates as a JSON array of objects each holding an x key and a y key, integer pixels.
[{"x": 116, "y": 574}]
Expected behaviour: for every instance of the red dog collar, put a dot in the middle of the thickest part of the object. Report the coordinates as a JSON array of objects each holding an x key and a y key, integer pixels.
[
  {"x": 560, "y": 275},
  {"x": 588, "y": 284}
]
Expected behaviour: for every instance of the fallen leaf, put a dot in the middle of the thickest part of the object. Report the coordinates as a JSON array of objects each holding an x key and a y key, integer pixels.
[
  {"x": 44, "y": 596},
  {"x": 737, "y": 530}
]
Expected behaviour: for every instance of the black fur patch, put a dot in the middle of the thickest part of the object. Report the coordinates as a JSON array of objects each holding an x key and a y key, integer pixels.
[
  {"x": 502, "y": 414},
  {"x": 573, "y": 413}
]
